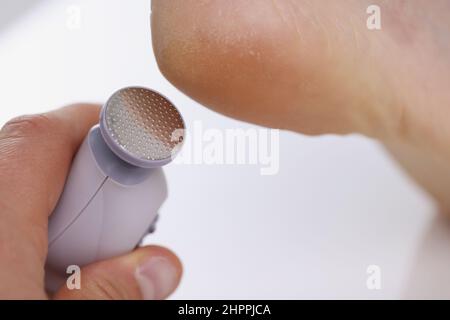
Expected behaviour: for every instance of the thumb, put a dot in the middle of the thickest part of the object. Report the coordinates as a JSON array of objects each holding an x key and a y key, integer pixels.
[{"x": 149, "y": 273}]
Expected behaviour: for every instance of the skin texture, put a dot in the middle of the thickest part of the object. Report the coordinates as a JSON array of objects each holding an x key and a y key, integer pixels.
[
  {"x": 35, "y": 156},
  {"x": 313, "y": 67}
]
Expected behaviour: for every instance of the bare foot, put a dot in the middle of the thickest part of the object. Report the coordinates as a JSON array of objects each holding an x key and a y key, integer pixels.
[{"x": 314, "y": 67}]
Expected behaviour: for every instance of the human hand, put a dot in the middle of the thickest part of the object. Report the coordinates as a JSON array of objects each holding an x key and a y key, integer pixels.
[
  {"x": 314, "y": 67},
  {"x": 35, "y": 156}
]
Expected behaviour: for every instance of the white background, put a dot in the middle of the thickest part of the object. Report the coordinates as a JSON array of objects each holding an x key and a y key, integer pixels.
[{"x": 337, "y": 205}]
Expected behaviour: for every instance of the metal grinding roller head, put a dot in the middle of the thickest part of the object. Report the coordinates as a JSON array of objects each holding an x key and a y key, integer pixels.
[
  {"x": 141, "y": 127},
  {"x": 116, "y": 184}
]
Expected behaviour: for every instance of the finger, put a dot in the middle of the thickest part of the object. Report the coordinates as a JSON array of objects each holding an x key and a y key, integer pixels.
[
  {"x": 150, "y": 273},
  {"x": 35, "y": 156}
]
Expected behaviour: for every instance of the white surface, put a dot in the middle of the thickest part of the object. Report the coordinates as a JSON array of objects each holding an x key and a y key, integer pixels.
[{"x": 336, "y": 206}]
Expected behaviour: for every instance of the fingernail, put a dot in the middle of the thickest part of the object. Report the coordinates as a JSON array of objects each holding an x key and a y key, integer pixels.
[{"x": 157, "y": 278}]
